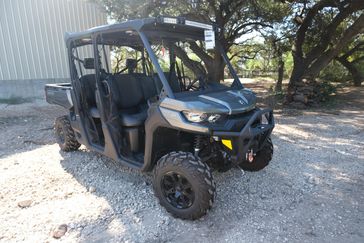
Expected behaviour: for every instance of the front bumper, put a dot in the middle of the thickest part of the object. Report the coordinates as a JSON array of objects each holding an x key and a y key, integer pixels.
[{"x": 254, "y": 134}]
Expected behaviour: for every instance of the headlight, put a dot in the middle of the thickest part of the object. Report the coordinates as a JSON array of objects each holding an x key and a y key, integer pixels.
[
  {"x": 195, "y": 116},
  {"x": 201, "y": 117},
  {"x": 213, "y": 118}
]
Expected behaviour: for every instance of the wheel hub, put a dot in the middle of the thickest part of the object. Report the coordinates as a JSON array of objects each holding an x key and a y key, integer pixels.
[{"x": 177, "y": 190}]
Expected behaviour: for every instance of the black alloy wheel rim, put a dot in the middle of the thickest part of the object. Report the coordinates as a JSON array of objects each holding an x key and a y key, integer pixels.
[{"x": 177, "y": 190}]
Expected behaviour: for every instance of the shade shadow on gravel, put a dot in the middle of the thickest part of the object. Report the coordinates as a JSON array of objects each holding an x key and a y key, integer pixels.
[{"x": 311, "y": 192}]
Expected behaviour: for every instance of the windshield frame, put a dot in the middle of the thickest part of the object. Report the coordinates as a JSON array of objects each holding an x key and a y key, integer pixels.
[{"x": 167, "y": 88}]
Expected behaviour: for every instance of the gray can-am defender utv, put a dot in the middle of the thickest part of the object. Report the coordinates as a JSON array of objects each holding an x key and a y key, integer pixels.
[{"x": 140, "y": 96}]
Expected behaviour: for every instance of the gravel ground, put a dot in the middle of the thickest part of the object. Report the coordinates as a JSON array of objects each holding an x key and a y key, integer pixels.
[{"x": 313, "y": 190}]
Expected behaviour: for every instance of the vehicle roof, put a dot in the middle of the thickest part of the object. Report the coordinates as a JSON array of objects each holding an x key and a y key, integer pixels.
[{"x": 154, "y": 28}]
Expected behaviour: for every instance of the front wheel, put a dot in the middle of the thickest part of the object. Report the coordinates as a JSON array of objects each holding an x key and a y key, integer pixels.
[
  {"x": 184, "y": 185},
  {"x": 261, "y": 159}
]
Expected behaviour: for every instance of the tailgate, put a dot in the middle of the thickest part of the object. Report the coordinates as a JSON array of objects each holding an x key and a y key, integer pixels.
[{"x": 59, "y": 94}]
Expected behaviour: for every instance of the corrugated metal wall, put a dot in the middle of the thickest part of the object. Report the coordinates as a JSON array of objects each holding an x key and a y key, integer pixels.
[{"x": 32, "y": 35}]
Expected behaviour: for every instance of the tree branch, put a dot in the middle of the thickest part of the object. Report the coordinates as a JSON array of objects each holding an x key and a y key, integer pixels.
[
  {"x": 353, "y": 50},
  {"x": 206, "y": 58},
  {"x": 301, "y": 32},
  {"x": 236, "y": 31},
  {"x": 358, "y": 60},
  {"x": 327, "y": 36},
  {"x": 244, "y": 56},
  {"x": 196, "y": 67},
  {"x": 327, "y": 56},
  {"x": 230, "y": 12}
]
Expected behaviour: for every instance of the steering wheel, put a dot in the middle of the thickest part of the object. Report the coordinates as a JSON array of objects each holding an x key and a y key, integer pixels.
[{"x": 192, "y": 86}]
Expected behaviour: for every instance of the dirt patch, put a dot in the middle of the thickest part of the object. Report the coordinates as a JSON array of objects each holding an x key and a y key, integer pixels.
[
  {"x": 351, "y": 97},
  {"x": 311, "y": 192}
]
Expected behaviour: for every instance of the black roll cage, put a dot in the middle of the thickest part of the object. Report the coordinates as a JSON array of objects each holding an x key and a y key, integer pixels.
[
  {"x": 147, "y": 31},
  {"x": 153, "y": 27}
]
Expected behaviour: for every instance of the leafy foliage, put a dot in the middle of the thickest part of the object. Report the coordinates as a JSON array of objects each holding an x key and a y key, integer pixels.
[
  {"x": 303, "y": 36},
  {"x": 334, "y": 72},
  {"x": 325, "y": 89},
  {"x": 236, "y": 18}
]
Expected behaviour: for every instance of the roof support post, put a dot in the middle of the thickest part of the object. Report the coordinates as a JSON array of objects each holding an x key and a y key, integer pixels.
[{"x": 166, "y": 86}]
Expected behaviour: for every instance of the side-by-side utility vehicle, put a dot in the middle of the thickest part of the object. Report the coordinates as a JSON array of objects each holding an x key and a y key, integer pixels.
[{"x": 143, "y": 94}]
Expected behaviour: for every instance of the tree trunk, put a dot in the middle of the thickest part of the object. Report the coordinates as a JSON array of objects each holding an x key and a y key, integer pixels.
[
  {"x": 308, "y": 64},
  {"x": 278, "y": 87},
  {"x": 194, "y": 66},
  {"x": 302, "y": 90},
  {"x": 315, "y": 68},
  {"x": 326, "y": 57},
  {"x": 298, "y": 71},
  {"x": 355, "y": 73},
  {"x": 216, "y": 69},
  {"x": 213, "y": 65}
]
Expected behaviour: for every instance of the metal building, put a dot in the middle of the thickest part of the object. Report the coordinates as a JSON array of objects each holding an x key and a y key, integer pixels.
[{"x": 32, "y": 48}]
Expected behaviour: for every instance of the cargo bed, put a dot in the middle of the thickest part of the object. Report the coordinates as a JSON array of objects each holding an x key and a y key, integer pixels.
[{"x": 59, "y": 94}]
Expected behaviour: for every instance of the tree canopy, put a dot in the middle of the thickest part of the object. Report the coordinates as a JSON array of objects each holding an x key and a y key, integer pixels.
[{"x": 314, "y": 32}]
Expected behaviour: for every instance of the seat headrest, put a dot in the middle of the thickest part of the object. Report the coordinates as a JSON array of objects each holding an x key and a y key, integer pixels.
[
  {"x": 131, "y": 64},
  {"x": 89, "y": 63}
]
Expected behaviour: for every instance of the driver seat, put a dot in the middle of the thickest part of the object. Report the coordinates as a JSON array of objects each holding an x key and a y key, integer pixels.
[{"x": 172, "y": 80}]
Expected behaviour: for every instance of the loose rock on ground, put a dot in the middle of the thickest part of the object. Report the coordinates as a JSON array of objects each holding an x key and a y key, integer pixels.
[{"x": 311, "y": 192}]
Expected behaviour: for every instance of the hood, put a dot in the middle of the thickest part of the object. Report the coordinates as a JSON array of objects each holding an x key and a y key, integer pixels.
[{"x": 227, "y": 101}]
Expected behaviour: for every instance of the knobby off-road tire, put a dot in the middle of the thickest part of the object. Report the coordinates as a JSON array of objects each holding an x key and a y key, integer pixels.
[
  {"x": 64, "y": 134},
  {"x": 195, "y": 178},
  {"x": 262, "y": 158}
]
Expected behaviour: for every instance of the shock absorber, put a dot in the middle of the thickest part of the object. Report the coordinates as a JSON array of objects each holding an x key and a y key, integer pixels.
[{"x": 198, "y": 144}]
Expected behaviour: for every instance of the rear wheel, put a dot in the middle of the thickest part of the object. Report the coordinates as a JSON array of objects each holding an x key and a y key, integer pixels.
[
  {"x": 261, "y": 159},
  {"x": 65, "y": 135},
  {"x": 184, "y": 185}
]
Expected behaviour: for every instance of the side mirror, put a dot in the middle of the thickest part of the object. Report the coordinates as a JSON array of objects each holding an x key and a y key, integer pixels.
[{"x": 89, "y": 63}]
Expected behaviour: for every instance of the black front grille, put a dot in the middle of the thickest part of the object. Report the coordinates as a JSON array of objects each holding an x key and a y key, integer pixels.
[{"x": 239, "y": 120}]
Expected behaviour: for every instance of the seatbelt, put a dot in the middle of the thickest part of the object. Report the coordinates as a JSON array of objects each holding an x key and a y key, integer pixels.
[
  {"x": 172, "y": 59},
  {"x": 179, "y": 76},
  {"x": 143, "y": 63}
]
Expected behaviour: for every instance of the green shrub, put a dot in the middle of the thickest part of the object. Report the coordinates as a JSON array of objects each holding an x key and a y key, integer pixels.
[
  {"x": 334, "y": 72},
  {"x": 326, "y": 90}
]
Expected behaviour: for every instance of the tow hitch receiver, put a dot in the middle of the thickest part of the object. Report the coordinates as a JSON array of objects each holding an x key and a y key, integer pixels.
[{"x": 250, "y": 156}]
